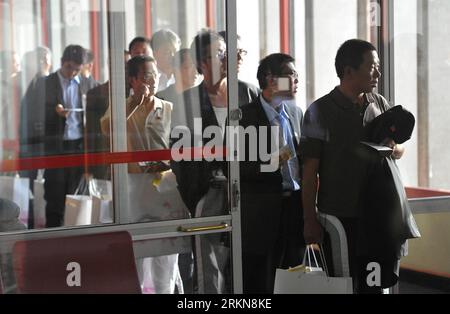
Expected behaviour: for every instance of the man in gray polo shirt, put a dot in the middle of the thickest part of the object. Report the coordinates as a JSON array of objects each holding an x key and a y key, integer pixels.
[{"x": 331, "y": 135}]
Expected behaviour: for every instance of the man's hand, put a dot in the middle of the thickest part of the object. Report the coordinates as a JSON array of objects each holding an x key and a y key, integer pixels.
[
  {"x": 61, "y": 111},
  {"x": 312, "y": 231},
  {"x": 143, "y": 91},
  {"x": 397, "y": 149}
]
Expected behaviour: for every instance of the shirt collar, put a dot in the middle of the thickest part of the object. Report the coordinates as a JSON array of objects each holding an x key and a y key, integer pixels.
[
  {"x": 63, "y": 79},
  {"x": 346, "y": 103},
  {"x": 158, "y": 104},
  {"x": 271, "y": 113}
]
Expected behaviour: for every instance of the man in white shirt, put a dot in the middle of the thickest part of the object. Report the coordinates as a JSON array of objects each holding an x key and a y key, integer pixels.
[{"x": 165, "y": 43}]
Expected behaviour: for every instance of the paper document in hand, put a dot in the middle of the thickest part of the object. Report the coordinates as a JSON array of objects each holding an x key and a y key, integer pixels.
[{"x": 74, "y": 109}]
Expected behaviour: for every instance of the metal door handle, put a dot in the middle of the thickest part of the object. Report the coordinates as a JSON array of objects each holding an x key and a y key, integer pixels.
[{"x": 206, "y": 228}]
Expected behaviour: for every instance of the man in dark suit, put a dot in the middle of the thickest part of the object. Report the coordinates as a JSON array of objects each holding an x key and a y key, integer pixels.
[
  {"x": 272, "y": 233},
  {"x": 64, "y": 130}
]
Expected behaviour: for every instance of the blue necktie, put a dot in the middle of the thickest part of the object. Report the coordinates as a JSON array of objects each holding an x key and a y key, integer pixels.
[
  {"x": 288, "y": 169},
  {"x": 285, "y": 128}
]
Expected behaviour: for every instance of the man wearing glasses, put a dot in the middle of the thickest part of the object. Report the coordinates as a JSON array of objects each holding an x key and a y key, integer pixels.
[
  {"x": 202, "y": 184},
  {"x": 246, "y": 92},
  {"x": 272, "y": 225}
]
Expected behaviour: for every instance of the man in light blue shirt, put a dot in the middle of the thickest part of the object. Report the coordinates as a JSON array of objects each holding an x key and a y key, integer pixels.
[
  {"x": 64, "y": 130},
  {"x": 73, "y": 108},
  {"x": 272, "y": 225},
  {"x": 277, "y": 115}
]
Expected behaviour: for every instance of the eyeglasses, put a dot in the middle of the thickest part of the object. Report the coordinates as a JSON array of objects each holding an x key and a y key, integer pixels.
[
  {"x": 219, "y": 55},
  {"x": 242, "y": 52}
]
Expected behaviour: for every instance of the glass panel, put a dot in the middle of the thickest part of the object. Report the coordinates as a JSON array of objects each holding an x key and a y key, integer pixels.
[
  {"x": 422, "y": 68},
  {"x": 315, "y": 50},
  {"x": 186, "y": 103},
  {"x": 54, "y": 62},
  {"x": 198, "y": 264}
]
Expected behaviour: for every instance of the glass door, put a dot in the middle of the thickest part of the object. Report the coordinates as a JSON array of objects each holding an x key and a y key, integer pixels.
[{"x": 132, "y": 151}]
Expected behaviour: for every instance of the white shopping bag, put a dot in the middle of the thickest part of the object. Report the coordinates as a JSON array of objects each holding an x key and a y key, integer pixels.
[
  {"x": 78, "y": 210},
  {"x": 305, "y": 279},
  {"x": 17, "y": 190},
  {"x": 102, "y": 210},
  {"x": 39, "y": 204},
  {"x": 314, "y": 282},
  {"x": 102, "y": 204}
]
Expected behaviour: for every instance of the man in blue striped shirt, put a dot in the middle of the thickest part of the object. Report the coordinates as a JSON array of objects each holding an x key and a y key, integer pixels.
[{"x": 63, "y": 130}]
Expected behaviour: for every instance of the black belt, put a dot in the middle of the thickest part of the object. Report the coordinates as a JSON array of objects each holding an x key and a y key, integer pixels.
[{"x": 73, "y": 146}]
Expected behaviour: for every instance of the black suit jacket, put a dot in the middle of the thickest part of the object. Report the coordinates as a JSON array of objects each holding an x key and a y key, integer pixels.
[
  {"x": 194, "y": 177},
  {"x": 32, "y": 119},
  {"x": 261, "y": 192},
  {"x": 54, "y": 124}
]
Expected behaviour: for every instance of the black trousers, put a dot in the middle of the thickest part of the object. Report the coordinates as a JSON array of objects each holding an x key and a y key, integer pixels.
[
  {"x": 259, "y": 269},
  {"x": 60, "y": 182}
]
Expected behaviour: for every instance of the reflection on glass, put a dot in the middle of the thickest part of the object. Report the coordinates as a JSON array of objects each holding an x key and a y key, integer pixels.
[
  {"x": 198, "y": 264},
  {"x": 422, "y": 61},
  {"x": 51, "y": 103}
]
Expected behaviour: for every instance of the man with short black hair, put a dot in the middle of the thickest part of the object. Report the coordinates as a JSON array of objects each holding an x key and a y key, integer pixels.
[
  {"x": 140, "y": 46},
  {"x": 332, "y": 152},
  {"x": 271, "y": 201},
  {"x": 64, "y": 130}
]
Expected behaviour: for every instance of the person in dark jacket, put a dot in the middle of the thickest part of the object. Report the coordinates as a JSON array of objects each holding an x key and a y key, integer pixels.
[
  {"x": 64, "y": 130},
  {"x": 271, "y": 208},
  {"x": 332, "y": 152}
]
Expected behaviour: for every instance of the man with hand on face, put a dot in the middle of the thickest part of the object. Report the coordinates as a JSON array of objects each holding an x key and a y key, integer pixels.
[
  {"x": 332, "y": 153},
  {"x": 148, "y": 129},
  {"x": 271, "y": 208},
  {"x": 99, "y": 111}
]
